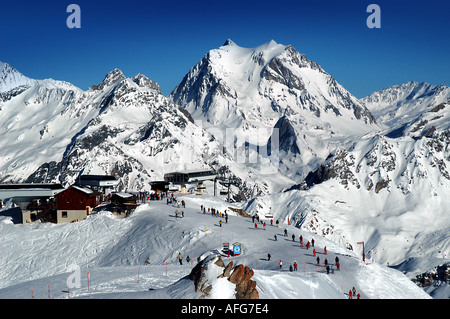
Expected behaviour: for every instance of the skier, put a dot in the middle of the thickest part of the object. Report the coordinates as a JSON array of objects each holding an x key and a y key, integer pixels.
[
  {"x": 226, "y": 218},
  {"x": 268, "y": 257},
  {"x": 277, "y": 222},
  {"x": 281, "y": 264},
  {"x": 312, "y": 242},
  {"x": 314, "y": 252},
  {"x": 180, "y": 258},
  {"x": 188, "y": 259},
  {"x": 350, "y": 294},
  {"x": 275, "y": 236},
  {"x": 325, "y": 250},
  {"x": 318, "y": 260},
  {"x": 336, "y": 260},
  {"x": 264, "y": 225},
  {"x": 295, "y": 265},
  {"x": 271, "y": 222},
  {"x": 220, "y": 223},
  {"x": 293, "y": 237},
  {"x": 256, "y": 226},
  {"x": 290, "y": 268},
  {"x": 328, "y": 270}
]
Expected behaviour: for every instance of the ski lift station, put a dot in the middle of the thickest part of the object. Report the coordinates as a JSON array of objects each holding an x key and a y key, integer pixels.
[
  {"x": 98, "y": 182},
  {"x": 25, "y": 193},
  {"x": 189, "y": 177}
]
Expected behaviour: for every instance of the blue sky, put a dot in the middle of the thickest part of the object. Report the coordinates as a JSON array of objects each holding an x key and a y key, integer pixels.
[{"x": 163, "y": 39}]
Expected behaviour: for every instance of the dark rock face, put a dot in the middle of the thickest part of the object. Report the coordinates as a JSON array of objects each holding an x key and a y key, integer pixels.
[{"x": 239, "y": 275}]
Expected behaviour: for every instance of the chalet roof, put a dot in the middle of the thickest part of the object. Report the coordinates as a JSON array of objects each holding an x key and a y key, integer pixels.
[
  {"x": 82, "y": 189},
  {"x": 123, "y": 195}
]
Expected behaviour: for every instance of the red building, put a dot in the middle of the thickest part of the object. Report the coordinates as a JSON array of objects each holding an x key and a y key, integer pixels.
[{"x": 75, "y": 203}]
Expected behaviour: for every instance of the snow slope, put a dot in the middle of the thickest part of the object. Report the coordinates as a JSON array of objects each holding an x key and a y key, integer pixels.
[{"x": 41, "y": 257}]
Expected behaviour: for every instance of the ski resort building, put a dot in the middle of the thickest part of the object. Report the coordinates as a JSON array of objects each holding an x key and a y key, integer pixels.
[
  {"x": 76, "y": 203},
  {"x": 98, "y": 182},
  {"x": 35, "y": 201},
  {"x": 188, "y": 177}
]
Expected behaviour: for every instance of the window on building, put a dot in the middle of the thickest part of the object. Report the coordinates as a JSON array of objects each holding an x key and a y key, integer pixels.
[{"x": 64, "y": 214}]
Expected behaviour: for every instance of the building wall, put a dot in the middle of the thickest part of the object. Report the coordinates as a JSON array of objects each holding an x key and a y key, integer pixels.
[
  {"x": 26, "y": 216},
  {"x": 73, "y": 199},
  {"x": 71, "y": 215}
]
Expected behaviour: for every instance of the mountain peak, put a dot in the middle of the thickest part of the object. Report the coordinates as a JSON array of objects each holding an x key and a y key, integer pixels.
[
  {"x": 270, "y": 44},
  {"x": 229, "y": 42},
  {"x": 114, "y": 76},
  {"x": 110, "y": 78},
  {"x": 144, "y": 81},
  {"x": 11, "y": 78}
]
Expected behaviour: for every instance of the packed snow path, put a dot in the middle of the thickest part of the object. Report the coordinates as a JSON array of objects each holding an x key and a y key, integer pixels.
[{"x": 136, "y": 257}]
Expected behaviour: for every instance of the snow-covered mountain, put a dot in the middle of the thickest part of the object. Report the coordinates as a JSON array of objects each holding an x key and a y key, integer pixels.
[
  {"x": 126, "y": 127},
  {"x": 254, "y": 90},
  {"x": 389, "y": 189},
  {"x": 409, "y": 108},
  {"x": 53, "y": 131},
  {"x": 10, "y": 78}
]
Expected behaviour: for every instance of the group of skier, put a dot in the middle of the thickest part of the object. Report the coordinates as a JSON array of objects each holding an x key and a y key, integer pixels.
[
  {"x": 309, "y": 244},
  {"x": 215, "y": 213},
  {"x": 292, "y": 267},
  {"x": 352, "y": 293}
]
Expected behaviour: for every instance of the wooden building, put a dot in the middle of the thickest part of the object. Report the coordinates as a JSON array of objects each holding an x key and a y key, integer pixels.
[
  {"x": 76, "y": 203},
  {"x": 123, "y": 204}
]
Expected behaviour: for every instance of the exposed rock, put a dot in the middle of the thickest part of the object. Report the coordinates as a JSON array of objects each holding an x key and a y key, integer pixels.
[
  {"x": 245, "y": 287},
  {"x": 240, "y": 276}
]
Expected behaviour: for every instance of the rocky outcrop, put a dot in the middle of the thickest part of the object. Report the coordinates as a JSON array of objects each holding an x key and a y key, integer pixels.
[
  {"x": 245, "y": 287},
  {"x": 239, "y": 275}
]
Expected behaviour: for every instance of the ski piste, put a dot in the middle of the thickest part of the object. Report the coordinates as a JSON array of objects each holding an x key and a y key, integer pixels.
[{"x": 136, "y": 257}]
